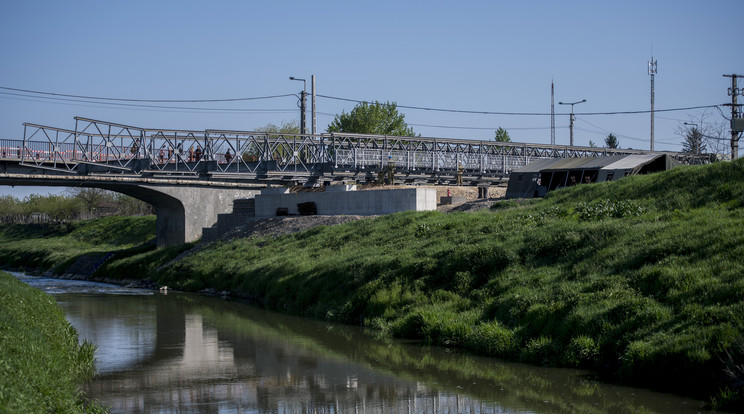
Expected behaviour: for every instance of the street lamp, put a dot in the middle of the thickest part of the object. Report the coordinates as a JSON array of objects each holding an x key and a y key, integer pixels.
[
  {"x": 302, "y": 103},
  {"x": 572, "y": 114}
]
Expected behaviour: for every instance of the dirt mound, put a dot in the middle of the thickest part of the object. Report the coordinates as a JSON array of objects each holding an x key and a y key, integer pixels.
[{"x": 278, "y": 226}]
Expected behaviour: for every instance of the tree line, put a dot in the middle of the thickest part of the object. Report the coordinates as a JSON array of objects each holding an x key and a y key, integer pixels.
[{"x": 73, "y": 204}]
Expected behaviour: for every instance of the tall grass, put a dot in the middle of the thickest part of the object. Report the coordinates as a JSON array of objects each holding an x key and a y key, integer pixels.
[{"x": 41, "y": 362}]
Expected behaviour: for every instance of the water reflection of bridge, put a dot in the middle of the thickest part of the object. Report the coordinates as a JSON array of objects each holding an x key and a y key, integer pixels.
[
  {"x": 189, "y": 353},
  {"x": 195, "y": 360}
]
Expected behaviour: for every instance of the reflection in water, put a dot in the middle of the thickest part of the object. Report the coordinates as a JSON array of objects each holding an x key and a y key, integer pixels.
[{"x": 186, "y": 353}]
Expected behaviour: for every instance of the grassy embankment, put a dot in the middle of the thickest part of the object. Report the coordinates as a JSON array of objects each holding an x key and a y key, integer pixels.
[
  {"x": 639, "y": 279},
  {"x": 38, "y": 248},
  {"x": 41, "y": 362}
]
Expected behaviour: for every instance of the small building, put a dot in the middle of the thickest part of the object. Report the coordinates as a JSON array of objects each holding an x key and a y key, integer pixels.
[{"x": 540, "y": 177}]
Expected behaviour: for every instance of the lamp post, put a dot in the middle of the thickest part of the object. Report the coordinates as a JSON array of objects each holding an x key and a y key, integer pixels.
[
  {"x": 302, "y": 103},
  {"x": 572, "y": 114}
]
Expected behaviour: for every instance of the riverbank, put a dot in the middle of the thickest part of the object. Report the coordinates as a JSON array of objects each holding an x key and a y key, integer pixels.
[
  {"x": 41, "y": 363},
  {"x": 638, "y": 280}
]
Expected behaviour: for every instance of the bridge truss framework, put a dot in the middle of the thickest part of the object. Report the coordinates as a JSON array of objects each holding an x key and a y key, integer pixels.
[{"x": 100, "y": 147}]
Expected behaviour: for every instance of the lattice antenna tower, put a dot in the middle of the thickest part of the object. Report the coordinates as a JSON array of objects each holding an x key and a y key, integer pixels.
[
  {"x": 552, "y": 112},
  {"x": 652, "y": 68}
]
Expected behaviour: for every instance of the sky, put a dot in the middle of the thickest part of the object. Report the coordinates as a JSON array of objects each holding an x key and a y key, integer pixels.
[{"x": 479, "y": 56}]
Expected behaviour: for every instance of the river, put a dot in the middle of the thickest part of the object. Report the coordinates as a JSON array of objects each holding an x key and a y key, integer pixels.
[{"x": 179, "y": 352}]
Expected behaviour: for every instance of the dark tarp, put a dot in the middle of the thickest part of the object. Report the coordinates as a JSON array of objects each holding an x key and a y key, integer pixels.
[{"x": 544, "y": 175}]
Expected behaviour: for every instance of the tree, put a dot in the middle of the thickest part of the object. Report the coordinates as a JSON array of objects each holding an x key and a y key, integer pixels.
[
  {"x": 592, "y": 144},
  {"x": 502, "y": 135},
  {"x": 611, "y": 141},
  {"x": 372, "y": 118},
  {"x": 291, "y": 127},
  {"x": 90, "y": 197},
  {"x": 130, "y": 206},
  {"x": 693, "y": 142},
  {"x": 710, "y": 135},
  {"x": 287, "y": 127}
]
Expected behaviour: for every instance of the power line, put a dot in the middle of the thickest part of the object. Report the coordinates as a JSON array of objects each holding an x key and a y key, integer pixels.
[
  {"x": 98, "y": 98},
  {"x": 480, "y": 128},
  {"x": 146, "y": 100},
  {"x": 157, "y": 107},
  {"x": 522, "y": 113}
]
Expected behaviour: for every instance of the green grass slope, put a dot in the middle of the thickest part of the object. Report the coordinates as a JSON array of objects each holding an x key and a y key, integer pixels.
[
  {"x": 46, "y": 247},
  {"x": 41, "y": 362},
  {"x": 640, "y": 279}
]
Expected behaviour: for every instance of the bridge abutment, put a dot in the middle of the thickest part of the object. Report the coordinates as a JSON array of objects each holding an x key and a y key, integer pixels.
[{"x": 183, "y": 211}]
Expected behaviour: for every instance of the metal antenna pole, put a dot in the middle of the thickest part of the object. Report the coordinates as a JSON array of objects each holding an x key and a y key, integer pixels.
[
  {"x": 552, "y": 112},
  {"x": 652, "y": 68}
]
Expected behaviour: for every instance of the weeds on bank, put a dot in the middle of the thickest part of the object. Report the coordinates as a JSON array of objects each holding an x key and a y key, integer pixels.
[{"x": 41, "y": 362}]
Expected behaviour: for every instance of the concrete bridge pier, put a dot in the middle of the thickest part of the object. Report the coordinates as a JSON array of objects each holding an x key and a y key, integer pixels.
[
  {"x": 183, "y": 211},
  {"x": 183, "y": 208}
]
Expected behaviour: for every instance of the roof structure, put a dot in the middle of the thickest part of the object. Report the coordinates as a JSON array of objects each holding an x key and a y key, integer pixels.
[{"x": 541, "y": 176}]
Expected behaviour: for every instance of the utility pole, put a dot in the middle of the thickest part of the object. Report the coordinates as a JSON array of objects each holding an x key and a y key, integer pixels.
[
  {"x": 552, "y": 112},
  {"x": 303, "y": 106},
  {"x": 303, "y": 100},
  {"x": 571, "y": 124},
  {"x": 312, "y": 87},
  {"x": 737, "y": 122},
  {"x": 652, "y": 68}
]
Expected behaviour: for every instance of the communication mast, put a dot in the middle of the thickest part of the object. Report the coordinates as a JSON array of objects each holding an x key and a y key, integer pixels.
[
  {"x": 652, "y": 71},
  {"x": 552, "y": 112}
]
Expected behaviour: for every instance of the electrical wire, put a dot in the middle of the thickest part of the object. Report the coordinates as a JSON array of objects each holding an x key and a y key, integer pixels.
[
  {"x": 483, "y": 128},
  {"x": 147, "y": 100},
  {"x": 98, "y": 98},
  {"x": 159, "y": 107},
  {"x": 523, "y": 113}
]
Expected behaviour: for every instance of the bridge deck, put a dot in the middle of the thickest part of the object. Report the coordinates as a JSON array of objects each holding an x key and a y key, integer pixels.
[{"x": 96, "y": 147}]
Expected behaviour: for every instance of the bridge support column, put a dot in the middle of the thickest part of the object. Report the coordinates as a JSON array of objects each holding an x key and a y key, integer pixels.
[
  {"x": 183, "y": 211},
  {"x": 200, "y": 207}
]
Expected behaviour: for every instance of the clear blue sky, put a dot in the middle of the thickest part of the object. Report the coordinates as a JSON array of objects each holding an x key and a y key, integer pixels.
[{"x": 493, "y": 56}]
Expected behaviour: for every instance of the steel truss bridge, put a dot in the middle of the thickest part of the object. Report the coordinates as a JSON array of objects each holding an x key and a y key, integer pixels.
[{"x": 97, "y": 147}]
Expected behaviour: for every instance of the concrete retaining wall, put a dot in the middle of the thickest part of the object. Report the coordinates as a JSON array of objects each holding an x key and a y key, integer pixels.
[{"x": 345, "y": 200}]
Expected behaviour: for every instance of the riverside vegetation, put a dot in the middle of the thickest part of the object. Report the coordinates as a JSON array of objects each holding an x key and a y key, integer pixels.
[
  {"x": 639, "y": 280},
  {"x": 41, "y": 362}
]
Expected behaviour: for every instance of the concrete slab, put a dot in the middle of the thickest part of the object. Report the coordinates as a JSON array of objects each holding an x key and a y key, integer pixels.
[{"x": 363, "y": 203}]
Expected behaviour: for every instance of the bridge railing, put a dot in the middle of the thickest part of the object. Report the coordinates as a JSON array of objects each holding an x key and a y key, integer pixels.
[{"x": 101, "y": 146}]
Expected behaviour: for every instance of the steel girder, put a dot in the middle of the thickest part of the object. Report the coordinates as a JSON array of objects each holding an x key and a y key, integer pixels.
[{"x": 110, "y": 147}]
